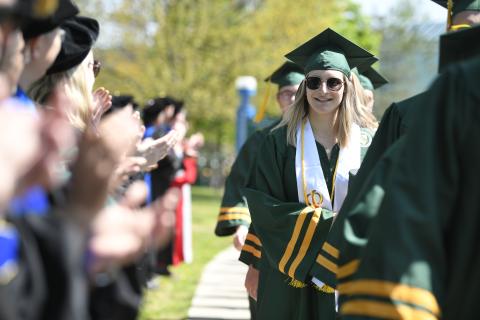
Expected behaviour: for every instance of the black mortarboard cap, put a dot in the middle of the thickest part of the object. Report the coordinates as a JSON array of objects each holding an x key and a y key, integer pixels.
[
  {"x": 80, "y": 36},
  {"x": 42, "y": 22}
]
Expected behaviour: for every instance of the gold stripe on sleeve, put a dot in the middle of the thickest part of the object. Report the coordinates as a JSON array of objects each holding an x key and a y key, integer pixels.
[
  {"x": 252, "y": 250},
  {"x": 384, "y": 310},
  {"x": 327, "y": 264},
  {"x": 293, "y": 240},
  {"x": 348, "y": 269},
  {"x": 253, "y": 238},
  {"x": 234, "y": 216},
  {"x": 243, "y": 210},
  {"x": 331, "y": 250},
  {"x": 307, "y": 239},
  {"x": 401, "y": 292}
]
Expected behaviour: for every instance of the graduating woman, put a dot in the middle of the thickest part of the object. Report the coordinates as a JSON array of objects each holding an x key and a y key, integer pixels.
[{"x": 302, "y": 177}]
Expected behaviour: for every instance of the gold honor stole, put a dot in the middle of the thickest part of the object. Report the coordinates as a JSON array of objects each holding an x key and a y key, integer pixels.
[{"x": 311, "y": 184}]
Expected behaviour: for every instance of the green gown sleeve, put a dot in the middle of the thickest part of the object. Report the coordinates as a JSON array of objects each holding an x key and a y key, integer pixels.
[
  {"x": 252, "y": 249},
  {"x": 351, "y": 232},
  {"x": 233, "y": 210},
  {"x": 415, "y": 264}
]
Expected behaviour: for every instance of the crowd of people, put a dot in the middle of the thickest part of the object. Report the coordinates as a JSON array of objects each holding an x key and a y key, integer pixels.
[
  {"x": 94, "y": 200},
  {"x": 340, "y": 217},
  {"x": 335, "y": 214}
]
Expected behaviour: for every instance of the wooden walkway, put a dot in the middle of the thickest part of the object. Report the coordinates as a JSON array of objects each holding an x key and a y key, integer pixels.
[{"x": 220, "y": 293}]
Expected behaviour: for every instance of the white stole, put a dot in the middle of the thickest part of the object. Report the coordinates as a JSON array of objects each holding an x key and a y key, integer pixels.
[{"x": 349, "y": 159}]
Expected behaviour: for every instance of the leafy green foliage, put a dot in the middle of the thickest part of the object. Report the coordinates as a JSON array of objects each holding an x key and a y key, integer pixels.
[{"x": 194, "y": 50}]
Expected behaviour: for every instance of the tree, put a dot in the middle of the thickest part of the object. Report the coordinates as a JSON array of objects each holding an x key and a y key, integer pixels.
[
  {"x": 408, "y": 53},
  {"x": 194, "y": 50}
]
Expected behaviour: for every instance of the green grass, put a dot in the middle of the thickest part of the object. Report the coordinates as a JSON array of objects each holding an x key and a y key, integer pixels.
[{"x": 172, "y": 299}]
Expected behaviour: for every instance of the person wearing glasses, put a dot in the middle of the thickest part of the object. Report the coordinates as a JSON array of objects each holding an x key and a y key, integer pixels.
[
  {"x": 349, "y": 235},
  {"x": 75, "y": 68},
  {"x": 420, "y": 260},
  {"x": 234, "y": 218},
  {"x": 301, "y": 178}
]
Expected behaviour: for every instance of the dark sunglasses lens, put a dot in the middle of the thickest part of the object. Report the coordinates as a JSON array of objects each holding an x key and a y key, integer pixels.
[
  {"x": 334, "y": 84},
  {"x": 313, "y": 83}
]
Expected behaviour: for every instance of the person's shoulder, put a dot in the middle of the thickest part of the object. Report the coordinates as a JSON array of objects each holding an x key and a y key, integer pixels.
[
  {"x": 277, "y": 133},
  {"x": 404, "y": 105},
  {"x": 276, "y": 138}
]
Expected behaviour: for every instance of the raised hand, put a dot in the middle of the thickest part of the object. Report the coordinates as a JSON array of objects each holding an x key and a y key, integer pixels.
[
  {"x": 99, "y": 157},
  {"x": 155, "y": 150},
  {"x": 194, "y": 144},
  {"x": 102, "y": 101}
]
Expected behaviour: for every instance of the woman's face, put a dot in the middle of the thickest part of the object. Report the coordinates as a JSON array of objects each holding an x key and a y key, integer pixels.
[
  {"x": 328, "y": 96},
  {"x": 286, "y": 96}
]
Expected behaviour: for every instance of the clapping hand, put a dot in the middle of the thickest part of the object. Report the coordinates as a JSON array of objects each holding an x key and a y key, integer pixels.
[{"x": 155, "y": 150}]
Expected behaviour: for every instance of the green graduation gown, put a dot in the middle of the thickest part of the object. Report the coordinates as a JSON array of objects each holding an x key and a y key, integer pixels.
[
  {"x": 291, "y": 234},
  {"x": 421, "y": 260}
]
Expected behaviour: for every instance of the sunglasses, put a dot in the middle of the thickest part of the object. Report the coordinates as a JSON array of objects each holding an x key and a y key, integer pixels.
[
  {"x": 96, "y": 66},
  {"x": 333, "y": 84}
]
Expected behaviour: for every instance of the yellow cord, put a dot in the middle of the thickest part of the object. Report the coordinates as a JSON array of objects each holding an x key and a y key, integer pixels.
[
  {"x": 304, "y": 182},
  {"x": 303, "y": 164},
  {"x": 449, "y": 14},
  {"x": 263, "y": 106},
  {"x": 457, "y": 27}
]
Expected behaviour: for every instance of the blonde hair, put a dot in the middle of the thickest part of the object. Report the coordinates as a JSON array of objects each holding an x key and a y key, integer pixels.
[
  {"x": 300, "y": 109},
  {"x": 75, "y": 88},
  {"x": 362, "y": 115}
]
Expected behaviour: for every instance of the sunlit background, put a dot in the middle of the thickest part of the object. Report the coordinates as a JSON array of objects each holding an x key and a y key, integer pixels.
[{"x": 194, "y": 51}]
